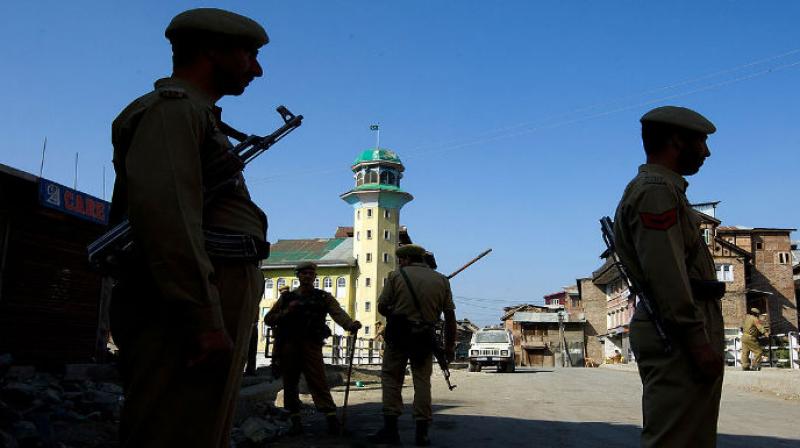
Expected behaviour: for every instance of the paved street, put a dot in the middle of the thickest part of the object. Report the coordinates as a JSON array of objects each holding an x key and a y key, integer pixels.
[{"x": 561, "y": 408}]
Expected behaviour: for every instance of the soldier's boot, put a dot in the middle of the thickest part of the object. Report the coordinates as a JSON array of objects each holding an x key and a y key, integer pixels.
[
  {"x": 388, "y": 435},
  {"x": 297, "y": 426},
  {"x": 334, "y": 428},
  {"x": 421, "y": 437}
]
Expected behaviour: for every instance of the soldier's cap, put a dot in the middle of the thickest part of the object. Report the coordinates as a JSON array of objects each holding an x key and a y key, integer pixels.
[
  {"x": 755, "y": 310},
  {"x": 410, "y": 250},
  {"x": 679, "y": 117},
  {"x": 306, "y": 265},
  {"x": 218, "y": 21}
]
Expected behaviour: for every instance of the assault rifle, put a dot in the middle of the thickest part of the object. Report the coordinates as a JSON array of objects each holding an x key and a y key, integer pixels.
[
  {"x": 607, "y": 227},
  {"x": 108, "y": 251}
]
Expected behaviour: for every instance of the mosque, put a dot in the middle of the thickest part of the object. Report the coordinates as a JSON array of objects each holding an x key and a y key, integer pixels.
[{"x": 354, "y": 264}]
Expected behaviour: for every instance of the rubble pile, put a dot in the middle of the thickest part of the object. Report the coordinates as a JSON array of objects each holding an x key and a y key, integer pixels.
[{"x": 79, "y": 408}]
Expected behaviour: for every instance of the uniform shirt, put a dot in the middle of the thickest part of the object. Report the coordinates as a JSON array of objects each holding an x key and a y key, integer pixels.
[
  {"x": 330, "y": 306},
  {"x": 162, "y": 142},
  {"x": 752, "y": 326},
  {"x": 432, "y": 290},
  {"x": 658, "y": 240}
]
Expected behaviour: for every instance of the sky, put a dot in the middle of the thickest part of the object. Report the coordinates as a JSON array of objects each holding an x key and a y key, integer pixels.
[{"x": 517, "y": 121}]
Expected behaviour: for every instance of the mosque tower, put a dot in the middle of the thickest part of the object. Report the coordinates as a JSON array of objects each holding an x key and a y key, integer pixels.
[{"x": 376, "y": 199}]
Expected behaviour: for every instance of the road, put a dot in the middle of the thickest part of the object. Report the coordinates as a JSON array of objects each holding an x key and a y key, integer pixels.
[{"x": 558, "y": 408}]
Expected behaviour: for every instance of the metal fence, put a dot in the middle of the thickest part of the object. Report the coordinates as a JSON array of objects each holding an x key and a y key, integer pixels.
[
  {"x": 367, "y": 351},
  {"x": 780, "y": 350}
]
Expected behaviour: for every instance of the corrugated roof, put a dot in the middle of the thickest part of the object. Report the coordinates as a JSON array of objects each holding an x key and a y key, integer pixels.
[{"x": 319, "y": 250}]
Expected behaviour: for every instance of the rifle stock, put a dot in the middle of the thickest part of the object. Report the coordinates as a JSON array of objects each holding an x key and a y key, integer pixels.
[{"x": 607, "y": 228}]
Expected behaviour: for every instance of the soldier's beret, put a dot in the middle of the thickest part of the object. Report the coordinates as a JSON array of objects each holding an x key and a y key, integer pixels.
[
  {"x": 217, "y": 21},
  {"x": 680, "y": 117},
  {"x": 305, "y": 265},
  {"x": 755, "y": 310},
  {"x": 410, "y": 250}
]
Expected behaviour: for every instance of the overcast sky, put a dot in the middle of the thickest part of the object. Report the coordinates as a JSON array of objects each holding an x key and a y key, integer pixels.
[{"x": 517, "y": 121}]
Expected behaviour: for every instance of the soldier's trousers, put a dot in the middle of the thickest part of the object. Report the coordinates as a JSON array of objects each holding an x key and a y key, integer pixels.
[
  {"x": 305, "y": 357},
  {"x": 393, "y": 371},
  {"x": 750, "y": 344},
  {"x": 678, "y": 408},
  {"x": 166, "y": 404}
]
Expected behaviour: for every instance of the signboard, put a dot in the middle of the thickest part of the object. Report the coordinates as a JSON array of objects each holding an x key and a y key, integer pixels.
[{"x": 73, "y": 202}]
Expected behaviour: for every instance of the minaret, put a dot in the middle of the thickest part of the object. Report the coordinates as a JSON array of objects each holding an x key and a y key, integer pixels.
[{"x": 376, "y": 200}]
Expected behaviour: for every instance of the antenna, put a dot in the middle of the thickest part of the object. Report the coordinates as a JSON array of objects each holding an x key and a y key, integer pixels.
[
  {"x": 41, "y": 166},
  {"x": 75, "y": 184},
  {"x": 104, "y": 182}
]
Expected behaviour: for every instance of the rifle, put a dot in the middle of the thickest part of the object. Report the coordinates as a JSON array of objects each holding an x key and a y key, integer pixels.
[
  {"x": 111, "y": 248},
  {"x": 441, "y": 359},
  {"x": 607, "y": 227},
  {"x": 458, "y": 271},
  {"x": 351, "y": 350}
]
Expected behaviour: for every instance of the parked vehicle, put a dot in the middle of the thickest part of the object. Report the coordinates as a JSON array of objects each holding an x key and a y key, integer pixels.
[{"x": 491, "y": 347}]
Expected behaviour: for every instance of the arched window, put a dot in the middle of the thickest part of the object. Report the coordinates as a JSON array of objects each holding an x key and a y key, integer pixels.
[
  {"x": 268, "y": 288},
  {"x": 341, "y": 287},
  {"x": 316, "y": 282},
  {"x": 281, "y": 282},
  {"x": 392, "y": 179},
  {"x": 372, "y": 177},
  {"x": 327, "y": 284},
  {"x": 360, "y": 178},
  {"x": 388, "y": 178}
]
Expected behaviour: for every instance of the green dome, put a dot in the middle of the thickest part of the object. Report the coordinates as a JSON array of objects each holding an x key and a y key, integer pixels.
[{"x": 377, "y": 155}]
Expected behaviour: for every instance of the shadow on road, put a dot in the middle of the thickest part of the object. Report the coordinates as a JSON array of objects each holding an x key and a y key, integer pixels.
[{"x": 463, "y": 431}]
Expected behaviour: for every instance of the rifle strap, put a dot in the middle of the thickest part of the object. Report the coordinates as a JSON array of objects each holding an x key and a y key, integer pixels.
[
  {"x": 413, "y": 296},
  {"x": 231, "y": 132}
]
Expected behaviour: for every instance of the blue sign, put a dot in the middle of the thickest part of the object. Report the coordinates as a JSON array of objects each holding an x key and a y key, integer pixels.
[{"x": 73, "y": 202}]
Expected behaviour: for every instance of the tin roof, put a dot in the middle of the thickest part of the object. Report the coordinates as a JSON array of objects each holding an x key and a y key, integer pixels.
[{"x": 323, "y": 251}]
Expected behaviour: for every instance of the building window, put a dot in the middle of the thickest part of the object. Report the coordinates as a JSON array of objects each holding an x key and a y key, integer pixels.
[
  {"x": 372, "y": 177},
  {"x": 369, "y": 234},
  {"x": 387, "y": 214},
  {"x": 268, "y": 286},
  {"x": 384, "y": 281},
  {"x": 341, "y": 289},
  {"x": 366, "y": 330},
  {"x": 724, "y": 272},
  {"x": 367, "y": 282},
  {"x": 360, "y": 178},
  {"x": 385, "y": 257},
  {"x": 281, "y": 282},
  {"x": 358, "y": 236},
  {"x": 295, "y": 283},
  {"x": 358, "y": 214},
  {"x": 369, "y": 213},
  {"x": 576, "y": 302},
  {"x": 783, "y": 257},
  {"x": 387, "y": 235},
  {"x": 759, "y": 246},
  {"x": 316, "y": 282},
  {"x": 369, "y": 257},
  {"x": 367, "y": 307},
  {"x": 707, "y": 236}
]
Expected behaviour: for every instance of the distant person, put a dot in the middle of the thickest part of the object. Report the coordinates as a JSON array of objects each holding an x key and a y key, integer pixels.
[
  {"x": 752, "y": 329},
  {"x": 658, "y": 240},
  {"x": 412, "y": 300},
  {"x": 181, "y": 314},
  {"x": 617, "y": 358},
  {"x": 299, "y": 317}
]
